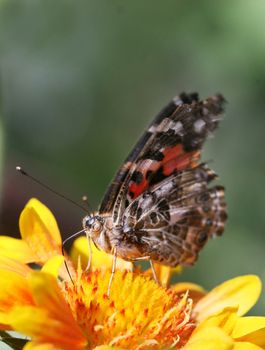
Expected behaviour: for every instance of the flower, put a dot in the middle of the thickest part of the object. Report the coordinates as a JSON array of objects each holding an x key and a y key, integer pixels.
[
  {"x": 40, "y": 234},
  {"x": 57, "y": 314}
]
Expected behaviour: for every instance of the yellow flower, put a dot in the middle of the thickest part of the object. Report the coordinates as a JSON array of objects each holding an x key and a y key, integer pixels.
[
  {"x": 58, "y": 315},
  {"x": 40, "y": 234}
]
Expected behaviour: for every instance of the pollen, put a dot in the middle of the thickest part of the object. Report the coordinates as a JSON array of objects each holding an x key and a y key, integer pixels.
[{"x": 138, "y": 314}]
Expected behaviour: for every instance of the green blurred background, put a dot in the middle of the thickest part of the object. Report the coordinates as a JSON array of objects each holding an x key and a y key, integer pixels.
[{"x": 80, "y": 80}]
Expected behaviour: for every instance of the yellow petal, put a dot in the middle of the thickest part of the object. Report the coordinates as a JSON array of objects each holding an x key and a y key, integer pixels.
[
  {"x": 35, "y": 346},
  {"x": 8, "y": 264},
  {"x": 16, "y": 249},
  {"x": 245, "y": 325},
  {"x": 39, "y": 229},
  {"x": 225, "y": 320},
  {"x": 250, "y": 329},
  {"x": 56, "y": 267},
  {"x": 53, "y": 320},
  {"x": 14, "y": 291},
  {"x": 246, "y": 346},
  {"x": 53, "y": 265},
  {"x": 21, "y": 318},
  {"x": 182, "y": 287},
  {"x": 46, "y": 217},
  {"x": 211, "y": 338},
  {"x": 14, "y": 288},
  {"x": 241, "y": 292},
  {"x": 80, "y": 251},
  {"x": 100, "y": 259},
  {"x": 4, "y": 321}
]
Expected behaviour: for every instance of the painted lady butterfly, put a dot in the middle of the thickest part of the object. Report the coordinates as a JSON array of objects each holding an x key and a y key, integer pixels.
[{"x": 159, "y": 206}]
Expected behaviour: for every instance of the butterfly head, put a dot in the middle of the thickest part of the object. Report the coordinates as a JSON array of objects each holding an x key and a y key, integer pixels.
[
  {"x": 93, "y": 225},
  {"x": 97, "y": 228}
]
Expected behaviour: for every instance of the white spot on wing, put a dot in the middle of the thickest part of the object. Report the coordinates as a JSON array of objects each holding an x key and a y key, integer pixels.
[
  {"x": 177, "y": 127},
  {"x": 177, "y": 101},
  {"x": 199, "y": 125}
]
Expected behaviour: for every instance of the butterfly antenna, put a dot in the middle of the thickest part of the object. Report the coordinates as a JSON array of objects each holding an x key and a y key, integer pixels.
[
  {"x": 23, "y": 172},
  {"x": 66, "y": 240},
  {"x": 86, "y": 202}
]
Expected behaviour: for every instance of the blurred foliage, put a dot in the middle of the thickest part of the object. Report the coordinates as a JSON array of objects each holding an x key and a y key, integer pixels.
[{"x": 80, "y": 80}]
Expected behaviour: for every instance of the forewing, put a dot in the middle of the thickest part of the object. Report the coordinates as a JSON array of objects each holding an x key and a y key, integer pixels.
[
  {"x": 171, "y": 144},
  {"x": 175, "y": 218},
  {"x": 142, "y": 144},
  {"x": 176, "y": 143}
]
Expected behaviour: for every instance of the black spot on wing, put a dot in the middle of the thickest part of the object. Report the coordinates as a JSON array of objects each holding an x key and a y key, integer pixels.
[
  {"x": 157, "y": 176},
  {"x": 163, "y": 208},
  {"x": 153, "y": 217},
  {"x": 131, "y": 194},
  {"x": 137, "y": 177},
  {"x": 189, "y": 98},
  {"x": 163, "y": 139},
  {"x": 153, "y": 155},
  {"x": 149, "y": 174},
  {"x": 202, "y": 238}
]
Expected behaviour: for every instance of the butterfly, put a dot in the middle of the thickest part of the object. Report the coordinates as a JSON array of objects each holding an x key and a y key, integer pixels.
[{"x": 159, "y": 206}]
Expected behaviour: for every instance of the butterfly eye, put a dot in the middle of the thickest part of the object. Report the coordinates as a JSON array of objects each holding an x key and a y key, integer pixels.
[
  {"x": 87, "y": 222},
  {"x": 96, "y": 227}
]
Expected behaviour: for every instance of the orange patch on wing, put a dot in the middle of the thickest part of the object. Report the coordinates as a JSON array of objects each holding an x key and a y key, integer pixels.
[
  {"x": 137, "y": 189},
  {"x": 181, "y": 161},
  {"x": 175, "y": 158},
  {"x": 172, "y": 152}
]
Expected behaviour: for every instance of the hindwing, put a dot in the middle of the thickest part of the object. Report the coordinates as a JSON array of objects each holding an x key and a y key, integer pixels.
[{"x": 175, "y": 218}]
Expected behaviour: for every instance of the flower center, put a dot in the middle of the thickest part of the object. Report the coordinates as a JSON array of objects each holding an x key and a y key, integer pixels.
[{"x": 138, "y": 315}]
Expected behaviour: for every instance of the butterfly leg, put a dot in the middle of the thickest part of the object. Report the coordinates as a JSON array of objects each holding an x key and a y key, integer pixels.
[
  {"x": 154, "y": 272},
  {"x": 148, "y": 258},
  {"x": 90, "y": 253},
  {"x": 113, "y": 269}
]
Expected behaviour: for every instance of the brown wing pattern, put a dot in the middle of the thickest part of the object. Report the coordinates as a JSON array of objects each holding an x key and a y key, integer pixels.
[
  {"x": 174, "y": 219},
  {"x": 171, "y": 144},
  {"x": 142, "y": 145},
  {"x": 176, "y": 143}
]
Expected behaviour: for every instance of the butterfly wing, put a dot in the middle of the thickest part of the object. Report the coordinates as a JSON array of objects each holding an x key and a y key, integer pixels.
[
  {"x": 111, "y": 194},
  {"x": 172, "y": 221},
  {"x": 171, "y": 144}
]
